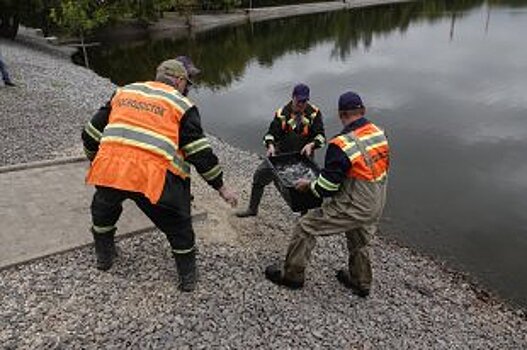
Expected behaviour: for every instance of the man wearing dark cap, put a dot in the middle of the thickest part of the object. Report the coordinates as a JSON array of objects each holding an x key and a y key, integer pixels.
[
  {"x": 140, "y": 145},
  {"x": 354, "y": 179},
  {"x": 296, "y": 127}
]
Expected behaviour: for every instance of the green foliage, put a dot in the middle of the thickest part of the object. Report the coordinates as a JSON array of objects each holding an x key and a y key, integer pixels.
[
  {"x": 223, "y": 54},
  {"x": 148, "y": 10},
  {"x": 78, "y": 17},
  {"x": 185, "y": 8}
]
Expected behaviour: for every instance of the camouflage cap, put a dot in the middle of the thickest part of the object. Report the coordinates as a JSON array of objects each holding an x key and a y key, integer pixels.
[{"x": 173, "y": 68}]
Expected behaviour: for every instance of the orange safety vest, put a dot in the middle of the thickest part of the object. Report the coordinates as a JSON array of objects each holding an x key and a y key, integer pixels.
[
  {"x": 141, "y": 141},
  {"x": 288, "y": 118},
  {"x": 368, "y": 151}
]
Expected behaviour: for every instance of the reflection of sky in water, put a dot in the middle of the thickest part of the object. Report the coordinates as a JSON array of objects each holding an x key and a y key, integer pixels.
[{"x": 455, "y": 112}]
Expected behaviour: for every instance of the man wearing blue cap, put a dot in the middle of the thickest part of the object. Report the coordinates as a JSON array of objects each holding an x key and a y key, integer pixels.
[
  {"x": 296, "y": 127},
  {"x": 354, "y": 180}
]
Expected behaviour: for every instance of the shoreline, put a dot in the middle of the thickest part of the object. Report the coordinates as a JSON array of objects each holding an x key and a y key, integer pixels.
[{"x": 174, "y": 26}]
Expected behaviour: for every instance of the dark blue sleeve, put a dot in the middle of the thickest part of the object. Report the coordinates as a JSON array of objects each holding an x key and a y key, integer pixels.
[{"x": 334, "y": 173}]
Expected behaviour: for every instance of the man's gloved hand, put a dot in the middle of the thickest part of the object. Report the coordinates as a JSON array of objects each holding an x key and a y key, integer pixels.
[
  {"x": 308, "y": 149},
  {"x": 228, "y": 196},
  {"x": 271, "y": 150}
]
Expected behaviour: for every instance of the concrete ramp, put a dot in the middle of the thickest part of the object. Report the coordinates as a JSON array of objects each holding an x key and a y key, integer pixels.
[{"x": 44, "y": 209}]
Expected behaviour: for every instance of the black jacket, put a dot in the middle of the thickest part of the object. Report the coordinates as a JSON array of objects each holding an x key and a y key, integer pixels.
[
  {"x": 191, "y": 140},
  {"x": 286, "y": 130}
]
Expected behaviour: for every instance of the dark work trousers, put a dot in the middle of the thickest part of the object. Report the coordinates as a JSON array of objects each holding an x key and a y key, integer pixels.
[
  {"x": 174, "y": 221},
  {"x": 262, "y": 177},
  {"x": 3, "y": 72}
]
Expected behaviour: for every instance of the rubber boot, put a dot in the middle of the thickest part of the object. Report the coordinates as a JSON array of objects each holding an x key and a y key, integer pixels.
[
  {"x": 186, "y": 266},
  {"x": 105, "y": 249},
  {"x": 274, "y": 274},
  {"x": 344, "y": 278},
  {"x": 256, "y": 197}
]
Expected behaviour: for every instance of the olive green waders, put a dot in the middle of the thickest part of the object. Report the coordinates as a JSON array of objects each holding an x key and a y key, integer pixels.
[{"x": 355, "y": 210}]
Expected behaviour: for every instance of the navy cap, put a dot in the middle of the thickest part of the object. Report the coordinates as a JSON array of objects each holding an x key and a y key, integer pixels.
[
  {"x": 350, "y": 100},
  {"x": 301, "y": 92},
  {"x": 189, "y": 67}
]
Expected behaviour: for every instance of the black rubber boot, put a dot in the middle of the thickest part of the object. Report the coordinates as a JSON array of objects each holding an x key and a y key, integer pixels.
[
  {"x": 105, "y": 249},
  {"x": 256, "y": 197},
  {"x": 344, "y": 278},
  {"x": 186, "y": 266},
  {"x": 274, "y": 274}
]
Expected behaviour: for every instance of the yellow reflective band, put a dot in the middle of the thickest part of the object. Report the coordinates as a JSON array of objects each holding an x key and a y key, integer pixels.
[
  {"x": 170, "y": 99},
  {"x": 177, "y": 94},
  {"x": 183, "y": 251},
  {"x": 380, "y": 144},
  {"x": 313, "y": 189},
  {"x": 354, "y": 156},
  {"x": 103, "y": 229},
  {"x": 373, "y": 139},
  {"x": 138, "y": 144},
  {"x": 279, "y": 114},
  {"x": 143, "y": 131},
  {"x": 212, "y": 173},
  {"x": 370, "y": 136},
  {"x": 326, "y": 184},
  {"x": 305, "y": 121},
  {"x": 267, "y": 138},
  {"x": 174, "y": 94},
  {"x": 89, "y": 154},
  {"x": 320, "y": 139},
  {"x": 196, "y": 146},
  {"x": 348, "y": 144},
  {"x": 181, "y": 165},
  {"x": 380, "y": 177},
  {"x": 93, "y": 132},
  {"x": 350, "y": 148}
]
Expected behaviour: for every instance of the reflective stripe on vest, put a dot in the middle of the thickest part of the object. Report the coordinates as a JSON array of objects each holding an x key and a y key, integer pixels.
[
  {"x": 376, "y": 146},
  {"x": 289, "y": 124},
  {"x": 147, "y": 140},
  {"x": 181, "y": 103}
]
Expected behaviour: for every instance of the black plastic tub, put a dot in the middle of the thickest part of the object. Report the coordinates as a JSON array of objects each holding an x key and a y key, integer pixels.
[{"x": 297, "y": 201}]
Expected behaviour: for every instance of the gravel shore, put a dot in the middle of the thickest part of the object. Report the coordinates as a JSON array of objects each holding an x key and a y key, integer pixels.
[{"x": 62, "y": 302}]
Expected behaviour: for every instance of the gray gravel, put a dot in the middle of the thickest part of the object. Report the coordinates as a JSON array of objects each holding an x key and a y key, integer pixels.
[
  {"x": 62, "y": 302},
  {"x": 43, "y": 116}
]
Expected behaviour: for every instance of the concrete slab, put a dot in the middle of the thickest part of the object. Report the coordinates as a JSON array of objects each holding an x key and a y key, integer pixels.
[{"x": 45, "y": 210}]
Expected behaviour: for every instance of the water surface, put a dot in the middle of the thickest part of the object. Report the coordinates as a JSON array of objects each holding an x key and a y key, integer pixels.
[{"x": 448, "y": 81}]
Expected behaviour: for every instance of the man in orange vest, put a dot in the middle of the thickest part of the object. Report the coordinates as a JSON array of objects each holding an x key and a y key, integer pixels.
[
  {"x": 296, "y": 127},
  {"x": 354, "y": 178},
  {"x": 140, "y": 144}
]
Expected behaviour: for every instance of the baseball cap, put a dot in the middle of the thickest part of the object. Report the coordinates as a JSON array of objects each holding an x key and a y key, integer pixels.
[
  {"x": 349, "y": 101},
  {"x": 172, "y": 68},
  {"x": 301, "y": 92},
  {"x": 189, "y": 65}
]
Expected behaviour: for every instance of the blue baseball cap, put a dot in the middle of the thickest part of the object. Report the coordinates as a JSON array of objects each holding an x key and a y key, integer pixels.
[
  {"x": 191, "y": 69},
  {"x": 349, "y": 101},
  {"x": 301, "y": 92}
]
